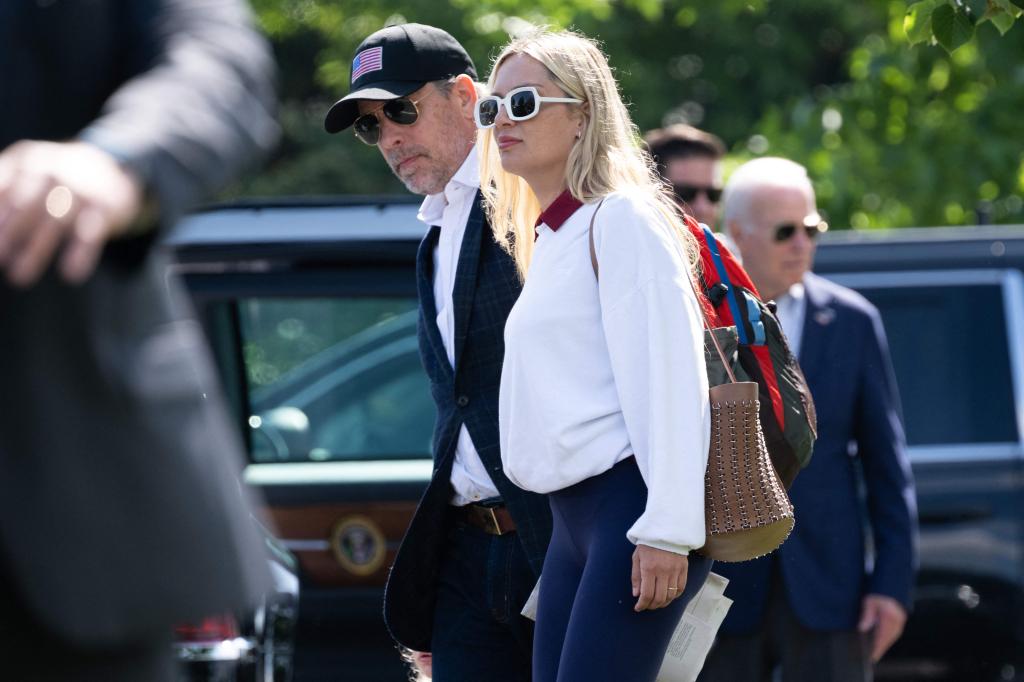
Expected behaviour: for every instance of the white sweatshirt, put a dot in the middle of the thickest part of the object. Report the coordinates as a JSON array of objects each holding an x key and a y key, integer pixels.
[{"x": 596, "y": 371}]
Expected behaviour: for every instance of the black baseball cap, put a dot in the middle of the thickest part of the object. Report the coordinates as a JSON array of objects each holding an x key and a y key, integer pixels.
[{"x": 396, "y": 61}]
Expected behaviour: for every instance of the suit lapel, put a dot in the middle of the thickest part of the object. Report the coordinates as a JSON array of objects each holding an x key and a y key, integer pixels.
[
  {"x": 466, "y": 275},
  {"x": 818, "y": 319},
  {"x": 425, "y": 289}
]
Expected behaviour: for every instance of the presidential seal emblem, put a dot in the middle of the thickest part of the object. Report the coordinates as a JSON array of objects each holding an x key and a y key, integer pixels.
[{"x": 358, "y": 545}]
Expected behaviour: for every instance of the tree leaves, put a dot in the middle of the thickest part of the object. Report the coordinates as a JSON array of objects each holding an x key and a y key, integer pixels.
[
  {"x": 952, "y": 26},
  {"x": 1008, "y": 6},
  {"x": 1001, "y": 20},
  {"x": 918, "y": 22},
  {"x": 762, "y": 75},
  {"x": 1002, "y": 14},
  {"x": 951, "y": 23}
]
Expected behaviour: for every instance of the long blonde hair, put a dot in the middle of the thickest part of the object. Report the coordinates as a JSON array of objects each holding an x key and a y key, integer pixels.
[{"x": 607, "y": 157}]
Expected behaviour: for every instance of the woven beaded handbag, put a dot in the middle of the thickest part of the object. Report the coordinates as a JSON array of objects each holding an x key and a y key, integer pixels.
[{"x": 747, "y": 512}]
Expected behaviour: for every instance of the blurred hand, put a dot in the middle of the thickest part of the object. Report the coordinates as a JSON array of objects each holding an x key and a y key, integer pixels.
[
  {"x": 424, "y": 662},
  {"x": 654, "y": 572},
  {"x": 887, "y": 616},
  {"x": 66, "y": 198}
]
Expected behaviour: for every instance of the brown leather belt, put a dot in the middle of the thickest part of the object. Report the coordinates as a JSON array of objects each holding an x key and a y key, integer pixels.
[{"x": 493, "y": 520}]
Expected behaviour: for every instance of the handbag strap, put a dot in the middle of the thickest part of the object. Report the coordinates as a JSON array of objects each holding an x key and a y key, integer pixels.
[
  {"x": 590, "y": 234},
  {"x": 703, "y": 314}
]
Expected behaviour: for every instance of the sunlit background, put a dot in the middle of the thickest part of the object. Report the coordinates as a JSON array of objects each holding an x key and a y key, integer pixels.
[{"x": 894, "y": 134}]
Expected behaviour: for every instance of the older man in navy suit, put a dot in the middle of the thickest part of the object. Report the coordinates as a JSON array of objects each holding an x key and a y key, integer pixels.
[
  {"x": 824, "y": 606},
  {"x": 476, "y": 543}
]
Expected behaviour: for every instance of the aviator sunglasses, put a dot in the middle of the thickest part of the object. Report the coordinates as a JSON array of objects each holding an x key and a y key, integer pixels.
[
  {"x": 402, "y": 111},
  {"x": 688, "y": 193},
  {"x": 812, "y": 226},
  {"x": 520, "y": 104}
]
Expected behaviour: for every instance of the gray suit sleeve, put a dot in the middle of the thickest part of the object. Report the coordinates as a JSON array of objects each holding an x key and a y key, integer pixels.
[{"x": 201, "y": 105}]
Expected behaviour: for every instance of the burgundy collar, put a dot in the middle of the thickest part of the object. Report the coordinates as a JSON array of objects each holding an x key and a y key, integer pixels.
[{"x": 555, "y": 215}]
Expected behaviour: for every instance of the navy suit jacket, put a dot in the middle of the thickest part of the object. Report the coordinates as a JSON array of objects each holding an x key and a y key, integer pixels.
[
  {"x": 486, "y": 288},
  {"x": 825, "y": 567}
]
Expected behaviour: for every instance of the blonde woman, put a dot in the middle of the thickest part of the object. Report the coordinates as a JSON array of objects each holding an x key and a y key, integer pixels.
[{"x": 603, "y": 391}]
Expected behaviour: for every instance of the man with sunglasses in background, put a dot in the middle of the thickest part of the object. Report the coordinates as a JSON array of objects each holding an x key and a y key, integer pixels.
[
  {"x": 691, "y": 161},
  {"x": 475, "y": 546},
  {"x": 823, "y": 607}
]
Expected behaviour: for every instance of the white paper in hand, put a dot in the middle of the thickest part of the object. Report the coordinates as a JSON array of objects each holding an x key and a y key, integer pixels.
[
  {"x": 695, "y": 634},
  {"x": 530, "y": 608}
]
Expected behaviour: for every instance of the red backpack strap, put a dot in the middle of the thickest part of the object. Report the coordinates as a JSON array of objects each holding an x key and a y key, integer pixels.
[
  {"x": 733, "y": 268},
  {"x": 708, "y": 276},
  {"x": 738, "y": 277}
]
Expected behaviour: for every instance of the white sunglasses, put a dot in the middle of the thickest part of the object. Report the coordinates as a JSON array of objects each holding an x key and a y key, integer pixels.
[{"x": 520, "y": 104}]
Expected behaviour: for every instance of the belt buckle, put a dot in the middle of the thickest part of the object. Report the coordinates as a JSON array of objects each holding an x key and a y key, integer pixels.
[{"x": 491, "y": 517}]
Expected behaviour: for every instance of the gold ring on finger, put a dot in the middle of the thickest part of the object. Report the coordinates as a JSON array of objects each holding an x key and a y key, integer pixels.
[{"x": 59, "y": 201}]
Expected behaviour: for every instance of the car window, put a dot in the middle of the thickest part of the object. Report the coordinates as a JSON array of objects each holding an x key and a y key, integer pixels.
[
  {"x": 950, "y": 353},
  {"x": 334, "y": 379}
]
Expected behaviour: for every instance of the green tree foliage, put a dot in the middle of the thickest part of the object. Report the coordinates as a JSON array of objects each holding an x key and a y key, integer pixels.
[
  {"x": 905, "y": 113},
  {"x": 951, "y": 23},
  {"x": 913, "y": 136}
]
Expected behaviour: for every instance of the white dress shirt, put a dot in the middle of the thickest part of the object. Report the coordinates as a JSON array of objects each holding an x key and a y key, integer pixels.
[
  {"x": 450, "y": 210},
  {"x": 791, "y": 308},
  {"x": 596, "y": 371}
]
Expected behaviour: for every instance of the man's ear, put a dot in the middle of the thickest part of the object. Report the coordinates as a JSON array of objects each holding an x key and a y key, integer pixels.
[
  {"x": 735, "y": 233},
  {"x": 465, "y": 91}
]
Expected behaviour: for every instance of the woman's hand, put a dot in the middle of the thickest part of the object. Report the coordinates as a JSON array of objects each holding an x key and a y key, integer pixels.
[{"x": 658, "y": 577}]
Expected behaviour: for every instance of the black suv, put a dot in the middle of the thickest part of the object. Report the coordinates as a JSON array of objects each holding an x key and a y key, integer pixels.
[{"x": 311, "y": 307}]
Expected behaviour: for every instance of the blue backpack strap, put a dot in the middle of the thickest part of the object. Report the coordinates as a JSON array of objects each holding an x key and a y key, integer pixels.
[
  {"x": 723, "y": 276},
  {"x": 754, "y": 316}
]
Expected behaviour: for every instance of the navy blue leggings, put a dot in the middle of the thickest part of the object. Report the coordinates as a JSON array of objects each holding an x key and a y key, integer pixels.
[{"x": 587, "y": 630}]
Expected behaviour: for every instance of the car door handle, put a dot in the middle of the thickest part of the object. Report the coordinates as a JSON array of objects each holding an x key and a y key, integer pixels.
[{"x": 950, "y": 516}]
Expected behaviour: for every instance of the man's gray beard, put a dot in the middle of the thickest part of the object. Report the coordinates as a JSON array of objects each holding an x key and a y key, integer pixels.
[
  {"x": 435, "y": 179},
  {"x": 426, "y": 185}
]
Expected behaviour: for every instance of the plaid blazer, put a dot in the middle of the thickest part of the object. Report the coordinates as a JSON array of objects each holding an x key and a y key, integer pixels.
[{"x": 486, "y": 288}]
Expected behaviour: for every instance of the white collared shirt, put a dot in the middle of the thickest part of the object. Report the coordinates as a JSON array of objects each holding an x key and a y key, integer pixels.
[
  {"x": 450, "y": 210},
  {"x": 598, "y": 370},
  {"x": 791, "y": 310}
]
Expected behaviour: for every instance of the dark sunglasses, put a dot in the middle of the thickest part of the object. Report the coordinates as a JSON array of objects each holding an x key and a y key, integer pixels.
[
  {"x": 520, "y": 104},
  {"x": 812, "y": 226},
  {"x": 402, "y": 111},
  {"x": 688, "y": 193}
]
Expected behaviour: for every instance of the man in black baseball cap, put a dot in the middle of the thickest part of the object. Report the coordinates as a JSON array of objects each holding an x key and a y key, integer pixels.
[
  {"x": 476, "y": 544},
  {"x": 413, "y": 94}
]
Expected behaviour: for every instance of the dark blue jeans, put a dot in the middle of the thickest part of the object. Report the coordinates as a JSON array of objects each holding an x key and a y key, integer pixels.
[
  {"x": 587, "y": 630},
  {"x": 478, "y": 633}
]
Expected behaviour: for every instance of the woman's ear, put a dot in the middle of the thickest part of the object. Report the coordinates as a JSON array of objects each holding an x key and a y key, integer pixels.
[{"x": 583, "y": 114}]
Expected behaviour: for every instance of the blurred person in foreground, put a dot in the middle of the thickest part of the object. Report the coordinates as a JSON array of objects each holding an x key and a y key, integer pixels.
[
  {"x": 823, "y": 607},
  {"x": 690, "y": 160},
  {"x": 475, "y": 546},
  {"x": 120, "y": 510}
]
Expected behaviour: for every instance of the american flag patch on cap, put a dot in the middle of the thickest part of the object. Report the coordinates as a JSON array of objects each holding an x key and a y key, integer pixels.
[{"x": 367, "y": 61}]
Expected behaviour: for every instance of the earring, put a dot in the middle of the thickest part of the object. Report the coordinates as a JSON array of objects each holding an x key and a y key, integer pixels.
[{"x": 579, "y": 134}]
